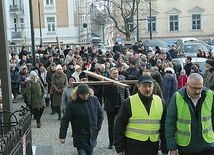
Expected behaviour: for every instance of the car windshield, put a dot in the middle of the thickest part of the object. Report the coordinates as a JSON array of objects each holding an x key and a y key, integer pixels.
[
  {"x": 101, "y": 46},
  {"x": 193, "y": 48},
  {"x": 153, "y": 43},
  {"x": 212, "y": 42}
]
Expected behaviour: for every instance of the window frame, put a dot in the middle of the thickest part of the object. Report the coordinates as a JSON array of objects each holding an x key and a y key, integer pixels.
[
  {"x": 196, "y": 20},
  {"x": 153, "y": 22},
  {"x": 51, "y": 24},
  {"x": 174, "y": 21}
]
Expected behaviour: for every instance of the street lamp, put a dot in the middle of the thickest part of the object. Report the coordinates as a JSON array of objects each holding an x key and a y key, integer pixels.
[
  {"x": 40, "y": 27},
  {"x": 150, "y": 16},
  {"x": 137, "y": 3}
]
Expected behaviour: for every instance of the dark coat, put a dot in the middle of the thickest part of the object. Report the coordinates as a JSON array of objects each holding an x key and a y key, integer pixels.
[
  {"x": 187, "y": 68},
  {"x": 133, "y": 73},
  {"x": 169, "y": 87},
  {"x": 86, "y": 119},
  {"x": 114, "y": 95},
  {"x": 58, "y": 82},
  {"x": 35, "y": 94},
  {"x": 14, "y": 78},
  {"x": 22, "y": 77}
]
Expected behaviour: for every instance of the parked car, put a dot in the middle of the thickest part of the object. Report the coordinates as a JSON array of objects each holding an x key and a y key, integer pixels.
[
  {"x": 97, "y": 42},
  {"x": 153, "y": 43},
  {"x": 191, "y": 48},
  {"x": 210, "y": 42},
  {"x": 184, "y": 40},
  {"x": 179, "y": 63}
]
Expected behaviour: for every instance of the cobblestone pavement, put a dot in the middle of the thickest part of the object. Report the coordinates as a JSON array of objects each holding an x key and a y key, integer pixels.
[{"x": 47, "y": 135}]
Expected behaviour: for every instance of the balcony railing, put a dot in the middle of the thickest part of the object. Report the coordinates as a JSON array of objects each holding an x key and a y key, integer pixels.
[
  {"x": 16, "y": 8},
  {"x": 16, "y": 35}
]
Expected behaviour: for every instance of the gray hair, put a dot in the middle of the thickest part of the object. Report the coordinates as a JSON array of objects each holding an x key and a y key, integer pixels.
[
  {"x": 194, "y": 76},
  {"x": 112, "y": 68}
]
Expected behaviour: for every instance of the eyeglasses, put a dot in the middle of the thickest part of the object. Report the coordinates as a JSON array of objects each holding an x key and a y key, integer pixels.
[{"x": 195, "y": 88}]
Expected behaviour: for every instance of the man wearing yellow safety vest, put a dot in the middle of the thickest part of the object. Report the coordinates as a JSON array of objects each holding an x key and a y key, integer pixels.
[
  {"x": 140, "y": 122},
  {"x": 190, "y": 119}
]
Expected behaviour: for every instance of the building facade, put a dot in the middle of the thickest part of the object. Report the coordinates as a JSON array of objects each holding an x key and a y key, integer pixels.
[
  {"x": 52, "y": 18},
  {"x": 173, "y": 19}
]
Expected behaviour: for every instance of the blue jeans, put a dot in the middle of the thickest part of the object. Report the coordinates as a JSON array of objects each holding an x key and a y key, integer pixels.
[{"x": 84, "y": 152}]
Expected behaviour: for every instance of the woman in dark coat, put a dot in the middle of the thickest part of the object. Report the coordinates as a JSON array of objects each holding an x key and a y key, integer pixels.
[
  {"x": 35, "y": 96},
  {"x": 58, "y": 81}
]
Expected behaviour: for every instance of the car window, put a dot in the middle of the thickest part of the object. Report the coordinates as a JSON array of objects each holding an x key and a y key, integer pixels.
[
  {"x": 193, "y": 48},
  {"x": 212, "y": 43}
]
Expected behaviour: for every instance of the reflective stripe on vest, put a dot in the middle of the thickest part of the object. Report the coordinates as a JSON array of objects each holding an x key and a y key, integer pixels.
[
  {"x": 183, "y": 131},
  {"x": 142, "y": 126}
]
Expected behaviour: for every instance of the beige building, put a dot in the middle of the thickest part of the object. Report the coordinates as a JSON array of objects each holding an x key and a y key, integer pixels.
[
  {"x": 173, "y": 19},
  {"x": 58, "y": 18}
]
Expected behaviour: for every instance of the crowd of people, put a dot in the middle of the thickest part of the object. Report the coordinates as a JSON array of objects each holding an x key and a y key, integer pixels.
[{"x": 136, "y": 116}]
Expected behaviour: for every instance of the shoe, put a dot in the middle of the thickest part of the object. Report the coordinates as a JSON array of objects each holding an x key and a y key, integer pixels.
[
  {"x": 110, "y": 147},
  {"x": 38, "y": 125},
  {"x": 52, "y": 113},
  {"x": 14, "y": 101}
]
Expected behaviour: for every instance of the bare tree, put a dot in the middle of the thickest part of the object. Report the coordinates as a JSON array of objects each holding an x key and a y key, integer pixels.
[{"x": 122, "y": 13}]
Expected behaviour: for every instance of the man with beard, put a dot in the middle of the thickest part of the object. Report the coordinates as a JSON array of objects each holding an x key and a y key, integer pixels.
[{"x": 140, "y": 122}]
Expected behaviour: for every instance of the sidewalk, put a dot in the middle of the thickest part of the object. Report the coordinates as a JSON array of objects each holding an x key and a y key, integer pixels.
[{"x": 45, "y": 139}]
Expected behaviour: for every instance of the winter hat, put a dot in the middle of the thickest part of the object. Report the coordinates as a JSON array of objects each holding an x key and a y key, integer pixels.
[
  {"x": 83, "y": 75},
  {"x": 210, "y": 62},
  {"x": 33, "y": 73},
  {"x": 183, "y": 71},
  {"x": 82, "y": 89},
  {"x": 58, "y": 67},
  {"x": 194, "y": 68},
  {"x": 158, "y": 61},
  {"x": 23, "y": 67},
  {"x": 169, "y": 69},
  {"x": 12, "y": 65},
  {"x": 76, "y": 67},
  {"x": 41, "y": 64}
]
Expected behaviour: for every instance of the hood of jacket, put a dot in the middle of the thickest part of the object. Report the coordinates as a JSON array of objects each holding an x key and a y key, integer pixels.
[{"x": 74, "y": 94}]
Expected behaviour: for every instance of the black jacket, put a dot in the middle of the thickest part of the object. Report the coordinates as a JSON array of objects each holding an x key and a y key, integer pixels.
[
  {"x": 114, "y": 95},
  {"x": 131, "y": 146},
  {"x": 86, "y": 119}
]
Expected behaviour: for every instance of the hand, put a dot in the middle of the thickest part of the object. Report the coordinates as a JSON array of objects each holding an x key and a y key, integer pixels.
[
  {"x": 173, "y": 152},
  {"x": 62, "y": 141},
  {"x": 60, "y": 91},
  {"x": 121, "y": 153}
]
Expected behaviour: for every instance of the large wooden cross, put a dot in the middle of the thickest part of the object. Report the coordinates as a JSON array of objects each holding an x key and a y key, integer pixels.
[{"x": 106, "y": 81}]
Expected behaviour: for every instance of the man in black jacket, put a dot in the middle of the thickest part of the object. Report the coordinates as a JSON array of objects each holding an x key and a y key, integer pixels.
[
  {"x": 140, "y": 122},
  {"x": 114, "y": 97},
  {"x": 86, "y": 116}
]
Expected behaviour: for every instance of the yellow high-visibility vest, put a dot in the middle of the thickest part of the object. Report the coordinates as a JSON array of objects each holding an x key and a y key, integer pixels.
[
  {"x": 183, "y": 124},
  {"x": 142, "y": 126}
]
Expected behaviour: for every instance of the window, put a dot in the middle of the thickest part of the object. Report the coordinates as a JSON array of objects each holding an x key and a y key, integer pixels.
[
  {"x": 22, "y": 23},
  {"x": 196, "y": 22},
  {"x": 49, "y": 2},
  {"x": 153, "y": 21},
  {"x": 51, "y": 24},
  {"x": 173, "y": 23}
]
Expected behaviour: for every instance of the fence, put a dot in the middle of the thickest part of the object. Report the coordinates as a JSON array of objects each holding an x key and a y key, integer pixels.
[{"x": 18, "y": 139}]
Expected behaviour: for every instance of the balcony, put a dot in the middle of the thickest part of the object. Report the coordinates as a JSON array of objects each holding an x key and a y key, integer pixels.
[
  {"x": 17, "y": 9},
  {"x": 16, "y": 35}
]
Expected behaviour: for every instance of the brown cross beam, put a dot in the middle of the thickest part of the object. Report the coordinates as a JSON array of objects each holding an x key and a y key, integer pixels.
[{"x": 106, "y": 81}]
